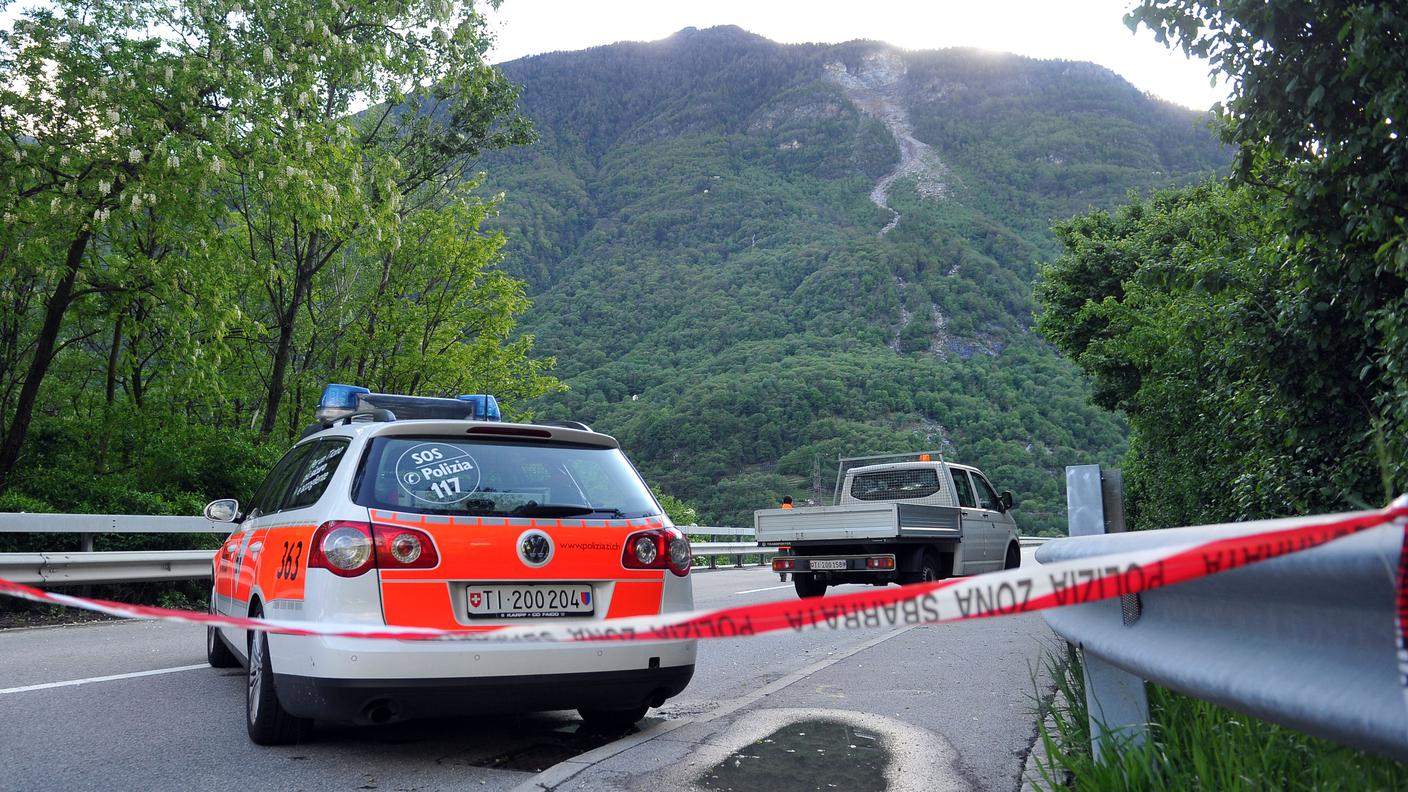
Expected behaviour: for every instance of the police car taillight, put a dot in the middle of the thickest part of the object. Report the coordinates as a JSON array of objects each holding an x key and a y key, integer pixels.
[
  {"x": 404, "y": 548},
  {"x": 660, "y": 548},
  {"x": 349, "y": 549},
  {"x": 343, "y": 547}
]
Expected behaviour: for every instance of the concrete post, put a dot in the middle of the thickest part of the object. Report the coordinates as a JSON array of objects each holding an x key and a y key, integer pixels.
[{"x": 1116, "y": 699}]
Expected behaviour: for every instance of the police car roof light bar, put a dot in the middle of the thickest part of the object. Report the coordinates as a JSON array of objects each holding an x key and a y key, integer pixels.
[
  {"x": 486, "y": 407},
  {"x": 338, "y": 401},
  {"x": 346, "y": 402}
]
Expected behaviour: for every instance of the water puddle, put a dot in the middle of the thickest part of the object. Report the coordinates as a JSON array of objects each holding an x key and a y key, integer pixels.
[
  {"x": 805, "y": 756},
  {"x": 546, "y": 749}
]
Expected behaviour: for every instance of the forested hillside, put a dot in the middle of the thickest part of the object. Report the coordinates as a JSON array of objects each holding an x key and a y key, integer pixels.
[{"x": 749, "y": 257}]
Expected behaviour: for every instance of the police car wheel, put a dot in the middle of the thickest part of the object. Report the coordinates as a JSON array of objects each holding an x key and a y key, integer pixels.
[
  {"x": 268, "y": 722},
  {"x": 808, "y": 586},
  {"x": 611, "y": 721},
  {"x": 216, "y": 652}
]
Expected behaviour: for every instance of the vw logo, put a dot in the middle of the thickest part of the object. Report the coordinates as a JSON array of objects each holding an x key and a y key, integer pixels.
[{"x": 535, "y": 548}]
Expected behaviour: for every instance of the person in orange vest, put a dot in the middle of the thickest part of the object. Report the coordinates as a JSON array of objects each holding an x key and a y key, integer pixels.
[{"x": 786, "y": 501}]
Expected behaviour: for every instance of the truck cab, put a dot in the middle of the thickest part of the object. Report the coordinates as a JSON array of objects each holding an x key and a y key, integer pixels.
[{"x": 908, "y": 521}]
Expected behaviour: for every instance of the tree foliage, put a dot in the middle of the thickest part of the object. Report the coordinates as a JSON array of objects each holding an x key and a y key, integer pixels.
[
  {"x": 213, "y": 208},
  {"x": 1256, "y": 336},
  {"x": 1171, "y": 304}
]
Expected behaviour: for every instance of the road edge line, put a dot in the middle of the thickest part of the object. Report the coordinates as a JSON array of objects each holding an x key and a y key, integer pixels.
[{"x": 108, "y": 678}]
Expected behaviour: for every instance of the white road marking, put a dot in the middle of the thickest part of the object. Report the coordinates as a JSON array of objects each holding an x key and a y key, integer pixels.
[
  {"x": 769, "y": 588},
  {"x": 72, "y": 682}
]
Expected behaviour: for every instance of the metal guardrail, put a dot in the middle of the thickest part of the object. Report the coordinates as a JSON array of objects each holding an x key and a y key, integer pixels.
[
  {"x": 119, "y": 566},
  {"x": 21, "y": 522},
  {"x": 71, "y": 569},
  {"x": 1307, "y": 640},
  {"x": 744, "y": 544},
  {"x": 85, "y": 566}
]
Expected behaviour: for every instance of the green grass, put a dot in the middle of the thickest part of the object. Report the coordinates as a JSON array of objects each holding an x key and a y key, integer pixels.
[{"x": 1195, "y": 745}]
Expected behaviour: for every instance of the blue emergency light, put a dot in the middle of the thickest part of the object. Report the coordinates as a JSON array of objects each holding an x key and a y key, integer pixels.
[
  {"x": 486, "y": 407},
  {"x": 341, "y": 401}
]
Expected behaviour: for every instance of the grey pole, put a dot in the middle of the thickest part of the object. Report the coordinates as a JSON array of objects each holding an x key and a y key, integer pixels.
[{"x": 1117, "y": 703}]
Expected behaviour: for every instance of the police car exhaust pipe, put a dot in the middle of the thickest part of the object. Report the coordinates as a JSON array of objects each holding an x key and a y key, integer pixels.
[{"x": 379, "y": 712}]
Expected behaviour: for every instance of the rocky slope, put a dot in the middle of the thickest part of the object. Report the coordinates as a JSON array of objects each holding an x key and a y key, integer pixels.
[{"x": 751, "y": 257}]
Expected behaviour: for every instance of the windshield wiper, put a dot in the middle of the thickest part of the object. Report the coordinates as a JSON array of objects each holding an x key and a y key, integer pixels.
[{"x": 535, "y": 509}]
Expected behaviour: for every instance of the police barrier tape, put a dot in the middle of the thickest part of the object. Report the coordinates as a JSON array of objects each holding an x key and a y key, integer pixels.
[{"x": 1022, "y": 590}]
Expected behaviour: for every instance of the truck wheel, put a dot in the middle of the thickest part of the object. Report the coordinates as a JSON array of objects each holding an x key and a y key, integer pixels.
[
  {"x": 268, "y": 722},
  {"x": 1014, "y": 557},
  {"x": 928, "y": 569},
  {"x": 808, "y": 586}
]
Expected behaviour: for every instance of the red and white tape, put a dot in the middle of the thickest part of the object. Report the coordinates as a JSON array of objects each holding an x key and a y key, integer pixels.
[{"x": 1022, "y": 590}]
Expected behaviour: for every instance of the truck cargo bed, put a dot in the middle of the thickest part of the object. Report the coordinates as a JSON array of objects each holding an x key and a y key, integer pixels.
[{"x": 855, "y": 522}]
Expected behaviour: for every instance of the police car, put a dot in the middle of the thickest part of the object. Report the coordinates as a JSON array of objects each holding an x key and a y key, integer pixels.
[{"x": 428, "y": 512}]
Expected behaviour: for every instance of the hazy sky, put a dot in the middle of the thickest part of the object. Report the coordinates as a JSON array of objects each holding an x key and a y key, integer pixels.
[{"x": 1090, "y": 30}]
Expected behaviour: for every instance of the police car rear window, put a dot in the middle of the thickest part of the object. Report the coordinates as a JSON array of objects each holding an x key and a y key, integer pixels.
[{"x": 495, "y": 478}]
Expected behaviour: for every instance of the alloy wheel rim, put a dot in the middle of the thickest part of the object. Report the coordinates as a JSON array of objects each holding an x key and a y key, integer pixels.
[{"x": 256, "y": 675}]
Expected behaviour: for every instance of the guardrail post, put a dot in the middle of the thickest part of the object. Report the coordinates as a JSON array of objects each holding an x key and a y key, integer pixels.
[{"x": 1116, "y": 700}]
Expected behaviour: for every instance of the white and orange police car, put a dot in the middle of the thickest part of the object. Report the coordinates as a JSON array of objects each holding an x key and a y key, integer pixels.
[{"x": 426, "y": 512}]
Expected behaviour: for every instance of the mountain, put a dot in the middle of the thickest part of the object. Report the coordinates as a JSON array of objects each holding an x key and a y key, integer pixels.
[{"x": 750, "y": 258}]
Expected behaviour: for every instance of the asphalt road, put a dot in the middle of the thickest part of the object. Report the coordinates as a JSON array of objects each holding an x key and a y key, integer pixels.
[{"x": 132, "y": 705}]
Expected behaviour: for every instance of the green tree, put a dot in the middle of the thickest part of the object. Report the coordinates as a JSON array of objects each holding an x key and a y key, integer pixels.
[
  {"x": 1169, "y": 303},
  {"x": 199, "y": 219},
  {"x": 430, "y": 313},
  {"x": 1319, "y": 91},
  {"x": 100, "y": 125},
  {"x": 311, "y": 178},
  {"x": 679, "y": 512}
]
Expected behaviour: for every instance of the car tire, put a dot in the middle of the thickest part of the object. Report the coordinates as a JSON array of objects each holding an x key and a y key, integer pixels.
[
  {"x": 268, "y": 722},
  {"x": 1014, "y": 557},
  {"x": 928, "y": 569},
  {"x": 216, "y": 652},
  {"x": 611, "y": 721},
  {"x": 808, "y": 586}
]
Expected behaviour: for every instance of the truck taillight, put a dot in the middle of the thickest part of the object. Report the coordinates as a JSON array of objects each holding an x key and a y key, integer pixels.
[
  {"x": 659, "y": 548},
  {"x": 347, "y": 548},
  {"x": 784, "y": 564},
  {"x": 880, "y": 562}
]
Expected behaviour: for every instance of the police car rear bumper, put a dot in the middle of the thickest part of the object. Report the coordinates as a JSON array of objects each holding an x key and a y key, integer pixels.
[{"x": 387, "y": 700}]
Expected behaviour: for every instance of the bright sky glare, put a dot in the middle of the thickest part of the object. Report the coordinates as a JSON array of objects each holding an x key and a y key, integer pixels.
[{"x": 1088, "y": 30}]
